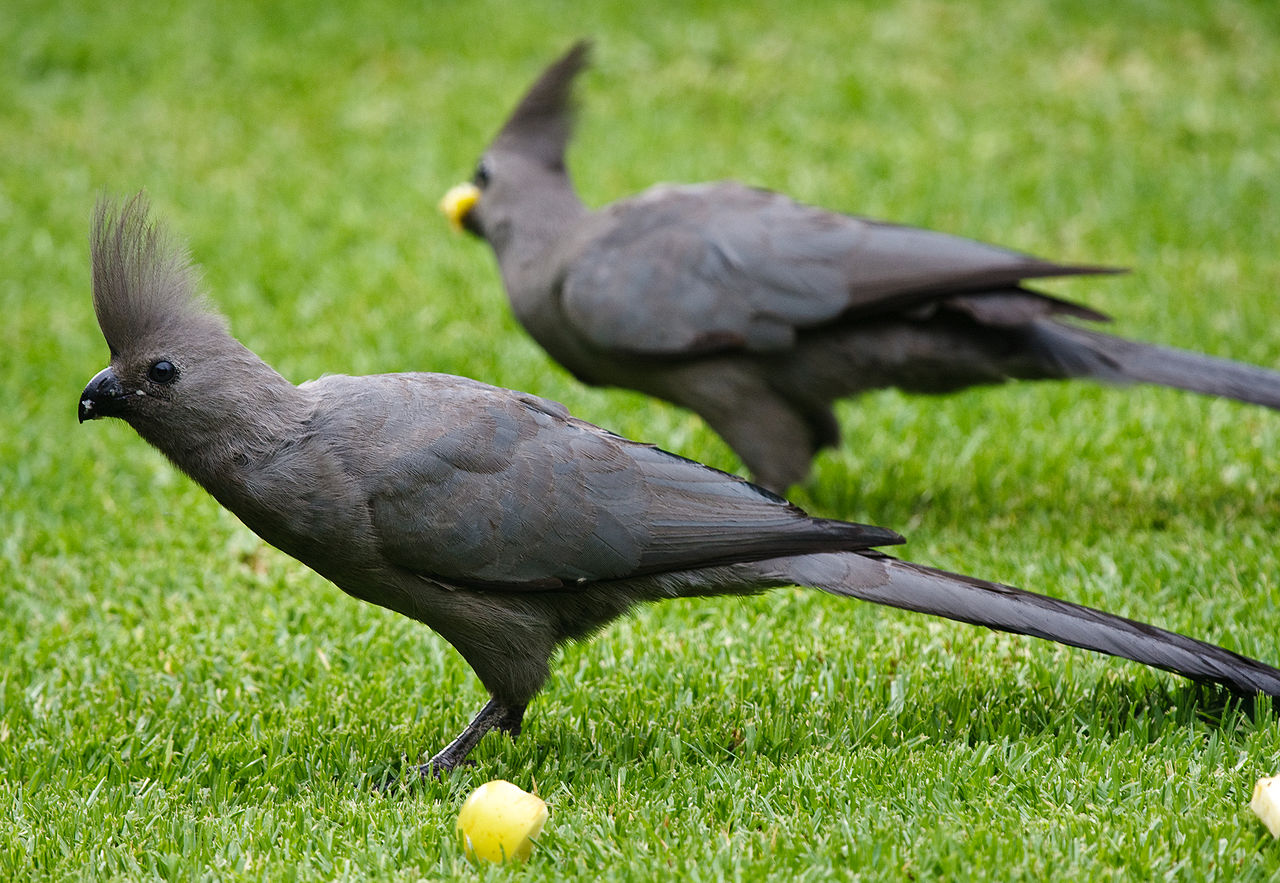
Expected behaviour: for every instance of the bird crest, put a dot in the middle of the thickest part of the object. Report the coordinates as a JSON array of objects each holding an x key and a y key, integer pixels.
[
  {"x": 543, "y": 120},
  {"x": 143, "y": 280}
]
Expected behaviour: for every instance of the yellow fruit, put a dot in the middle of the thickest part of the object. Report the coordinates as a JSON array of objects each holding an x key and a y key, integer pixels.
[
  {"x": 1266, "y": 803},
  {"x": 499, "y": 821}
]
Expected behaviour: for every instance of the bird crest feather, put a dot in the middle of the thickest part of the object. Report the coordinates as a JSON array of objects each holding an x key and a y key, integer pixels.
[
  {"x": 543, "y": 120},
  {"x": 143, "y": 280}
]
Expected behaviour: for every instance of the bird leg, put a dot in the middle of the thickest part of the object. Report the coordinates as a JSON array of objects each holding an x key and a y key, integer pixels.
[{"x": 494, "y": 715}]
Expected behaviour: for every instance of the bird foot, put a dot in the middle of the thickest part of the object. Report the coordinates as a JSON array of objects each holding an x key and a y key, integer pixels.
[
  {"x": 444, "y": 762},
  {"x": 494, "y": 716}
]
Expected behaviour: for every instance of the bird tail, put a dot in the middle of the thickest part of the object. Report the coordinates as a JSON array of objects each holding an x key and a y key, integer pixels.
[
  {"x": 1080, "y": 352},
  {"x": 872, "y": 576}
]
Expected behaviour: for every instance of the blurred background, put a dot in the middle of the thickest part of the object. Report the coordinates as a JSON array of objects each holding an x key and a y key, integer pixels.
[{"x": 301, "y": 150}]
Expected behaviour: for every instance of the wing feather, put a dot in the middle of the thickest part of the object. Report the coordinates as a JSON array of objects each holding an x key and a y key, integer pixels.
[
  {"x": 483, "y": 487},
  {"x": 683, "y": 270}
]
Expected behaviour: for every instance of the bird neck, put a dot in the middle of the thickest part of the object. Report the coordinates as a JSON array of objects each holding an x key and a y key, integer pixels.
[
  {"x": 246, "y": 420},
  {"x": 527, "y": 257},
  {"x": 551, "y": 211}
]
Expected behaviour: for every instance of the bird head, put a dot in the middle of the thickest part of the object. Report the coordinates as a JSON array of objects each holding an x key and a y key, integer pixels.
[
  {"x": 173, "y": 361},
  {"x": 527, "y": 151}
]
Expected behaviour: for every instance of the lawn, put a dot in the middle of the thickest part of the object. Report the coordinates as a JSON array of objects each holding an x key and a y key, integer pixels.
[{"x": 179, "y": 701}]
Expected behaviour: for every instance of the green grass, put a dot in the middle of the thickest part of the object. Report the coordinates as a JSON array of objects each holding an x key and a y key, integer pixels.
[{"x": 179, "y": 702}]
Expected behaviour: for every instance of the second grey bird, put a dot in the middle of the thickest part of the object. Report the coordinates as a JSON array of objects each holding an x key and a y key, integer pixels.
[
  {"x": 494, "y": 517},
  {"x": 758, "y": 312}
]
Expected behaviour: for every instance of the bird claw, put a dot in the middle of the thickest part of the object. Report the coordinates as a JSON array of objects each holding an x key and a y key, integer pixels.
[{"x": 439, "y": 768}]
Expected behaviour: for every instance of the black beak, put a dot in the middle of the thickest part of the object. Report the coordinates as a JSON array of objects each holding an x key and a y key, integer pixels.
[
  {"x": 471, "y": 223},
  {"x": 102, "y": 397}
]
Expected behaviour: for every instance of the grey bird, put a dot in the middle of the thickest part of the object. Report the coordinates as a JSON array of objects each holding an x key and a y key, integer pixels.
[
  {"x": 493, "y": 516},
  {"x": 758, "y": 312}
]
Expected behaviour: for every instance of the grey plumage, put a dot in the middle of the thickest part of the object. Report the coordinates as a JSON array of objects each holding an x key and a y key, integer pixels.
[
  {"x": 495, "y": 517},
  {"x": 758, "y": 312}
]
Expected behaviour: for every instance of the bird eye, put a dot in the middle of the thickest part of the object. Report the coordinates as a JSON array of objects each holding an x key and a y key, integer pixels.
[
  {"x": 481, "y": 177},
  {"x": 162, "y": 371}
]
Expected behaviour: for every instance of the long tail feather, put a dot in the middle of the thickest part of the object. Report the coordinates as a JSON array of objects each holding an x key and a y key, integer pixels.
[
  {"x": 1084, "y": 353},
  {"x": 881, "y": 579}
]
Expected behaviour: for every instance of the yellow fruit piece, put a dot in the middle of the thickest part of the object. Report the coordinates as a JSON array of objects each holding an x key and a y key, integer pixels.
[
  {"x": 499, "y": 821},
  {"x": 1266, "y": 803},
  {"x": 459, "y": 200}
]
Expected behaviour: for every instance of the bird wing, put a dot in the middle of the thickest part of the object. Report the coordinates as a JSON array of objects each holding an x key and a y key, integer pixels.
[
  {"x": 692, "y": 269},
  {"x": 484, "y": 487}
]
